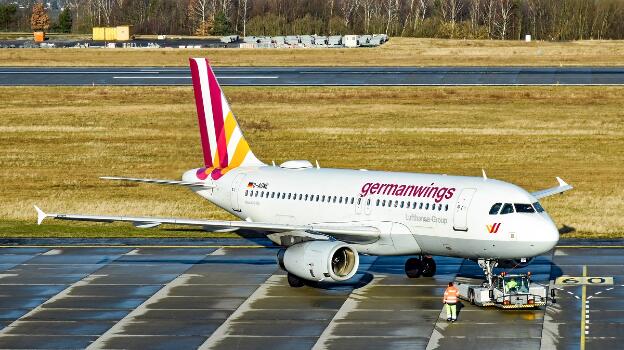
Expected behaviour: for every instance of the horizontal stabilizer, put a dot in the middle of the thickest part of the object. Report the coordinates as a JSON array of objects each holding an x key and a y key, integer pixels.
[
  {"x": 563, "y": 186},
  {"x": 159, "y": 181}
]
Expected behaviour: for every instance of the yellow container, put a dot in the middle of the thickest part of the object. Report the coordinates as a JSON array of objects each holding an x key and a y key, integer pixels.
[
  {"x": 110, "y": 33},
  {"x": 124, "y": 33},
  {"x": 98, "y": 33}
]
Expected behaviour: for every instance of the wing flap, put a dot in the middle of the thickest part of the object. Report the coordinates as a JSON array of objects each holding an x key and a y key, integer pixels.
[{"x": 563, "y": 186}]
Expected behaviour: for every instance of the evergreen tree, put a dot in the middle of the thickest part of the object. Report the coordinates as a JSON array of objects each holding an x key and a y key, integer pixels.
[
  {"x": 65, "y": 21},
  {"x": 222, "y": 25}
]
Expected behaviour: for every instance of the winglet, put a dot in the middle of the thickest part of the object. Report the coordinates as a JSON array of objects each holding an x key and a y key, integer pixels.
[
  {"x": 561, "y": 182},
  {"x": 40, "y": 215}
]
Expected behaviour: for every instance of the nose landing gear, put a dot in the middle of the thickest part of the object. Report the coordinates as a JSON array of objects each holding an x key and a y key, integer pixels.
[
  {"x": 415, "y": 267},
  {"x": 488, "y": 266}
]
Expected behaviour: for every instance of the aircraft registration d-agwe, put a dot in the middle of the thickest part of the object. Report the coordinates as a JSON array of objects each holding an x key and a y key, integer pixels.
[{"x": 324, "y": 218}]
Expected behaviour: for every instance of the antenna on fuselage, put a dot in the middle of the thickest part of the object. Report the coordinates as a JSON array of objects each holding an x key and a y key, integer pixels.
[{"x": 484, "y": 175}]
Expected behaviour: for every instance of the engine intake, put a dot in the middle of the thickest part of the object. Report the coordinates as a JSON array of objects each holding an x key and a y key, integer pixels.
[{"x": 320, "y": 260}]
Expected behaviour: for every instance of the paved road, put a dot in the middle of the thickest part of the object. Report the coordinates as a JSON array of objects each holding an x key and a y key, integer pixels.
[
  {"x": 350, "y": 76},
  {"x": 183, "y": 294}
]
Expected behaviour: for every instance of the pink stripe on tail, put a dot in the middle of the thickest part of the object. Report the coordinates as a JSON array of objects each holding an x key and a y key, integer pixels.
[
  {"x": 217, "y": 115},
  {"x": 201, "y": 116}
]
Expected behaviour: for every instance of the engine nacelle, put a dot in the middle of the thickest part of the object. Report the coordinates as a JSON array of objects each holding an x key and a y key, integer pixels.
[
  {"x": 514, "y": 263},
  {"x": 320, "y": 260}
]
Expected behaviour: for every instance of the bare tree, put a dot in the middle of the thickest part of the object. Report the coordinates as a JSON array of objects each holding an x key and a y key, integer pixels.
[{"x": 503, "y": 18}]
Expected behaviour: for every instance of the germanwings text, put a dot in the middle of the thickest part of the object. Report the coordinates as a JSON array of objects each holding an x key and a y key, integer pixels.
[{"x": 431, "y": 191}]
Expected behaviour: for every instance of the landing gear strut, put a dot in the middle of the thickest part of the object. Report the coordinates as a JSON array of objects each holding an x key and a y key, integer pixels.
[
  {"x": 488, "y": 266},
  {"x": 415, "y": 267}
]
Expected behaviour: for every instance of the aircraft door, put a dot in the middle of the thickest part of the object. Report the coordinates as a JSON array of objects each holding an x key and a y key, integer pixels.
[
  {"x": 460, "y": 217},
  {"x": 236, "y": 185}
]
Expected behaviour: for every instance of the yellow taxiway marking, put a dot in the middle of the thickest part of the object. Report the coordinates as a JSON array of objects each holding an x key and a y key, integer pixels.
[
  {"x": 135, "y": 246},
  {"x": 583, "y": 310}
]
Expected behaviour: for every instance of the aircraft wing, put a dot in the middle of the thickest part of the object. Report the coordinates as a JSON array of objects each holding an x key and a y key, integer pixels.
[
  {"x": 348, "y": 233},
  {"x": 159, "y": 181},
  {"x": 563, "y": 186}
]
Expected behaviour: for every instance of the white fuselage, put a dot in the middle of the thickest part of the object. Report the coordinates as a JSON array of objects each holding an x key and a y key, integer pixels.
[{"x": 415, "y": 213}]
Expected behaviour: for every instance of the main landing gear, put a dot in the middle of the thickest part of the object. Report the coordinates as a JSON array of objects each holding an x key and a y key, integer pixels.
[
  {"x": 488, "y": 266},
  {"x": 415, "y": 267}
]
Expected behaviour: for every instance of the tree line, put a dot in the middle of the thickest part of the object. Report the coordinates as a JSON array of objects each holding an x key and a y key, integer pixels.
[{"x": 470, "y": 19}]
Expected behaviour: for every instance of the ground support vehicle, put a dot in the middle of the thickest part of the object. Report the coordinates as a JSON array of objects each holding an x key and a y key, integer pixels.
[{"x": 507, "y": 291}]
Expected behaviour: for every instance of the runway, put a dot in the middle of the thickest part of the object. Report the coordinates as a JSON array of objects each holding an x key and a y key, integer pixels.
[
  {"x": 318, "y": 76},
  {"x": 186, "y": 294}
]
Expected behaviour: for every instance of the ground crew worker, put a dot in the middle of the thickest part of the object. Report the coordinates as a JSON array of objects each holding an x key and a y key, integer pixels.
[
  {"x": 511, "y": 285},
  {"x": 451, "y": 295}
]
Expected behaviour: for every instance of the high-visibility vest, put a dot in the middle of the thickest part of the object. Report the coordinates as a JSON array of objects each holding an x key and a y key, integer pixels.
[{"x": 450, "y": 295}]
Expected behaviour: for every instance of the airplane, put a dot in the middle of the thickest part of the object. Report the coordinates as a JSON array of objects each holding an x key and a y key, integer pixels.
[{"x": 324, "y": 218}]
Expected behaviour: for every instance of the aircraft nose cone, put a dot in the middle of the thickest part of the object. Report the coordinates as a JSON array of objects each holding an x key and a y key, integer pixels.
[{"x": 549, "y": 237}]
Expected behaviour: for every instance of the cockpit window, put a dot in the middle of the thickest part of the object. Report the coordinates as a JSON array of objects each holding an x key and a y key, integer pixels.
[
  {"x": 538, "y": 207},
  {"x": 507, "y": 209},
  {"x": 524, "y": 208},
  {"x": 495, "y": 208}
]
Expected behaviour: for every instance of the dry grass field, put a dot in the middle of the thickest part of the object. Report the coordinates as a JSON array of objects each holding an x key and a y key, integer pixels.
[
  {"x": 397, "y": 52},
  {"x": 56, "y": 141}
]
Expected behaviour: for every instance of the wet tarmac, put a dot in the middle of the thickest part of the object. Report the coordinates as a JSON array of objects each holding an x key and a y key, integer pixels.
[{"x": 210, "y": 295}]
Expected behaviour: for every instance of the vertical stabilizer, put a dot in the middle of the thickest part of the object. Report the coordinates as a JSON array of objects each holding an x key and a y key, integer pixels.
[{"x": 223, "y": 143}]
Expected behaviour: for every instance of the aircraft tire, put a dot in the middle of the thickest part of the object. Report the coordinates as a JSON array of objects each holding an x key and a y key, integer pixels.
[
  {"x": 413, "y": 267},
  {"x": 295, "y": 281},
  {"x": 428, "y": 267}
]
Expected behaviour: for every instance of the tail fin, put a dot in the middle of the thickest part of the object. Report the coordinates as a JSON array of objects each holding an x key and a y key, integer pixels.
[{"x": 223, "y": 143}]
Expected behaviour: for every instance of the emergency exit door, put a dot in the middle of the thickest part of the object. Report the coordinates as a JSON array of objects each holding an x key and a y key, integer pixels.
[{"x": 460, "y": 217}]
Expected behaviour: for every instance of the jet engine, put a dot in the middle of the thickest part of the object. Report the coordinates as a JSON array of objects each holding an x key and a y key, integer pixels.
[
  {"x": 514, "y": 263},
  {"x": 320, "y": 260}
]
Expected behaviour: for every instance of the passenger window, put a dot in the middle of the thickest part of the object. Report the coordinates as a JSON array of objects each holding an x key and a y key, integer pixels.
[
  {"x": 283, "y": 195},
  {"x": 300, "y": 196},
  {"x": 524, "y": 208},
  {"x": 427, "y": 206},
  {"x": 396, "y": 204},
  {"x": 317, "y": 197},
  {"x": 340, "y": 200},
  {"x": 446, "y": 207},
  {"x": 377, "y": 203},
  {"x": 414, "y": 205},
  {"x": 507, "y": 209},
  {"x": 407, "y": 205},
  {"x": 368, "y": 201},
  {"x": 495, "y": 208},
  {"x": 402, "y": 203},
  {"x": 352, "y": 200},
  {"x": 273, "y": 195},
  {"x": 334, "y": 199},
  {"x": 538, "y": 207},
  {"x": 359, "y": 200},
  {"x": 383, "y": 203},
  {"x": 246, "y": 192},
  {"x": 420, "y": 206},
  {"x": 439, "y": 207}
]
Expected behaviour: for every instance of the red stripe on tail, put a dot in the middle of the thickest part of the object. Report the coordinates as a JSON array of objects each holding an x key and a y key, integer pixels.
[
  {"x": 201, "y": 116},
  {"x": 217, "y": 115}
]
